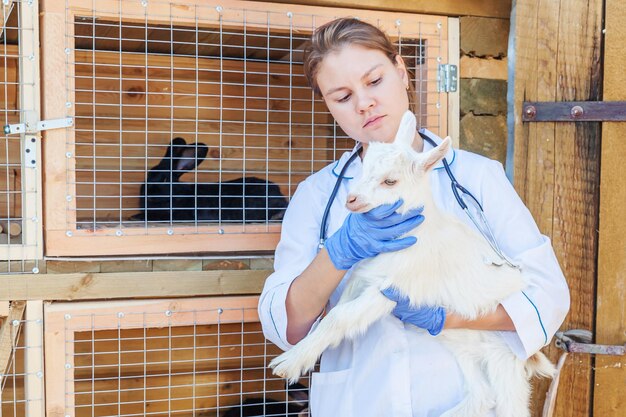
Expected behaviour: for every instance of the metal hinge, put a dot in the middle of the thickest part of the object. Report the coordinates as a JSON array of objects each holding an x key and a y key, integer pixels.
[
  {"x": 447, "y": 78},
  {"x": 30, "y": 142},
  {"x": 41, "y": 125}
]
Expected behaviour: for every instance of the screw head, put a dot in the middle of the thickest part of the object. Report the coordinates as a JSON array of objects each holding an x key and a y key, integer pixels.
[
  {"x": 530, "y": 112},
  {"x": 577, "y": 111}
]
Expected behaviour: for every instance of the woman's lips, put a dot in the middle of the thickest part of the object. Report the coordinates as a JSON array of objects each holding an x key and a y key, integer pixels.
[{"x": 373, "y": 122}]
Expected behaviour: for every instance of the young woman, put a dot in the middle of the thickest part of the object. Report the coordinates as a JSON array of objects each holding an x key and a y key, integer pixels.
[{"x": 397, "y": 368}]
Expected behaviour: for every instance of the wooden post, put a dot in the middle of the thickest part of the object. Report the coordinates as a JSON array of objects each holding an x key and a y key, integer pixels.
[
  {"x": 557, "y": 52},
  {"x": 610, "y": 372},
  {"x": 32, "y": 235},
  {"x": 454, "y": 107},
  {"x": 33, "y": 360}
]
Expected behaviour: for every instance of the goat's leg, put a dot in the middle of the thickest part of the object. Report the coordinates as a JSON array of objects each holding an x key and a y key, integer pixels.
[
  {"x": 509, "y": 383},
  {"x": 478, "y": 399},
  {"x": 344, "y": 321}
]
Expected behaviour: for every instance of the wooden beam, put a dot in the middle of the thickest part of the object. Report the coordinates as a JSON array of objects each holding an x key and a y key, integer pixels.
[
  {"x": 485, "y": 8},
  {"x": 610, "y": 371},
  {"x": 493, "y": 69},
  {"x": 33, "y": 359},
  {"x": 90, "y": 286},
  {"x": 557, "y": 53}
]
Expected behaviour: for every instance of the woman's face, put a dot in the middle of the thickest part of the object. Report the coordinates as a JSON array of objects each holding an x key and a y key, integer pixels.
[{"x": 365, "y": 92}]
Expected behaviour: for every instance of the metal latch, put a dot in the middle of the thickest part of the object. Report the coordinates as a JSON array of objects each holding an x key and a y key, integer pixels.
[
  {"x": 41, "y": 125},
  {"x": 447, "y": 78},
  {"x": 579, "y": 341}
]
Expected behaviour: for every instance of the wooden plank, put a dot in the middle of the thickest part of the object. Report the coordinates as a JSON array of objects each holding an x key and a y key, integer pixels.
[
  {"x": 54, "y": 354},
  {"x": 33, "y": 361},
  {"x": 556, "y": 166},
  {"x": 140, "y": 240},
  {"x": 85, "y": 286},
  {"x": 30, "y": 87},
  {"x": 454, "y": 98},
  {"x": 483, "y": 37},
  {"x": 610, "y": 371},
  {"x": 54, "y": 92},
  {"x": 491, "y": 68},
  {"x": 487, "y": 8}
]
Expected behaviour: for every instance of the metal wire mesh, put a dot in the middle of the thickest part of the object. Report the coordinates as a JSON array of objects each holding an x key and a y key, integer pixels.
[
  {"x": 18, "y": 185},
  {"x": 16, "y": 400},
  {"x": 227, "y": 81},
  {"x": 175, "y": 367}
]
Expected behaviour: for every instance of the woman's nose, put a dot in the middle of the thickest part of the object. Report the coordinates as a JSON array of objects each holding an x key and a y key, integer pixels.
[{"x": 364, "y": 102}]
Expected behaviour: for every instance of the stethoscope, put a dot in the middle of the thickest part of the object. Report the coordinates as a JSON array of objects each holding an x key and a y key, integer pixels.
[{"x": 458, "y": 191}]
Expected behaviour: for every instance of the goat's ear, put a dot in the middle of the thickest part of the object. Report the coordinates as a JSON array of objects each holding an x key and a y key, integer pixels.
[
  {"x": 432, "y": 157},
  {"x": 406, "y": 131}
]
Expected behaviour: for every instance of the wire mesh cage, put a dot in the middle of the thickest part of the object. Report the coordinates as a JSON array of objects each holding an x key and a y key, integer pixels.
[
  {"x": 20, "y": 206},
  {"x": 21, "y": 366},
  {"x": 201, "y": 357},
  {"x": 195, "y": 118}
]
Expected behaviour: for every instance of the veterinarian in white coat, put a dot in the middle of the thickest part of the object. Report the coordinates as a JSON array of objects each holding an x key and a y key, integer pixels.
[{"x": 395, "y": 368}]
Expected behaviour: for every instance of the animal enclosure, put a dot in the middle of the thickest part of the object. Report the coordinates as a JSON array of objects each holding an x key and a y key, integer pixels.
[
  {"x": 226, "y": 79},
  {"x": 195, "y": 357}
]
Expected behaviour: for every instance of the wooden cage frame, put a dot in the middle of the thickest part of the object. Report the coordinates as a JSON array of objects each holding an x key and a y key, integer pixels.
[
  {"x": 64, "y": 319},
  {"x": 26, "y": 76},
  {"x": 64, "y": 240}
]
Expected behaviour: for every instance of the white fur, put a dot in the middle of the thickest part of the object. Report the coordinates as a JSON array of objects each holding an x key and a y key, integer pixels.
[{"x": 451, "y": 265}]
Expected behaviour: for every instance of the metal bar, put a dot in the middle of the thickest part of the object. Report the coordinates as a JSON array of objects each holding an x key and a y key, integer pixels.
[
  {"x": 575, "y": 347},
  {"x": 574, "y": 111}
]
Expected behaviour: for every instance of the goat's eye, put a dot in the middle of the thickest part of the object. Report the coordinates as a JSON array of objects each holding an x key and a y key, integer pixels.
[{"x": 390, "y": 182}]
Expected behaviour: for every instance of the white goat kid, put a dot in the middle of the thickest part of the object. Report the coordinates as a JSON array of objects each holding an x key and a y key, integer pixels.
[{"x": 449, "y": 266}]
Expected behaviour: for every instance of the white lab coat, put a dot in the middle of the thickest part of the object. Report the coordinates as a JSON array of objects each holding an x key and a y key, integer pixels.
[{"x": 396, "y": 369}]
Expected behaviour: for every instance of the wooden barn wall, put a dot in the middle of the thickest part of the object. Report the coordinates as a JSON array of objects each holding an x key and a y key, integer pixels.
[
  {"x": 610, "y": 371},
  {"x": 483, "y": 86},
  {"x": 557, "y": 52},
  {"x": 484, "y": 8}
]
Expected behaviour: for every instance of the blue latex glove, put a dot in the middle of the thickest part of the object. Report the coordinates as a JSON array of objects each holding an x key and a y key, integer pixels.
[
  {"x": 364, "y": 235},
  {"x": 428, "y": 318}
]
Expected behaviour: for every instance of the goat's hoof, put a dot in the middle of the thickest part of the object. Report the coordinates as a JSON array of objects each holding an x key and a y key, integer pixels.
[{"x": 288, "y": 368}]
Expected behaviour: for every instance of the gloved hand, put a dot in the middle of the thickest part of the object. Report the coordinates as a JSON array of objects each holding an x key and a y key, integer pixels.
[
  {"x": 364, "y": 235},
  {"x": 428, "y": 318}
]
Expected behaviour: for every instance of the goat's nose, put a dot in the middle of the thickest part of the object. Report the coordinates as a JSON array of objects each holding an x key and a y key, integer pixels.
[{"x": 351, "y": 199}]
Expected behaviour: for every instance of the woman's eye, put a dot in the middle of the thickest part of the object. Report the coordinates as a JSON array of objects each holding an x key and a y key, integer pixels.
[
  {"x": 390, "y": 182},
  {"x": 344, "y": 98},
  {"x": 377, "y": 81}
]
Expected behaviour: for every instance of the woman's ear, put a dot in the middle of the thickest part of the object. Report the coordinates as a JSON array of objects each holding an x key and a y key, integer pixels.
[{"x": 402, "y": 71}]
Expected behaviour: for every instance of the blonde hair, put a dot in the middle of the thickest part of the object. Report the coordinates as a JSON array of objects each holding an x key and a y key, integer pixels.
[{"x": 334, "y": 35}]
